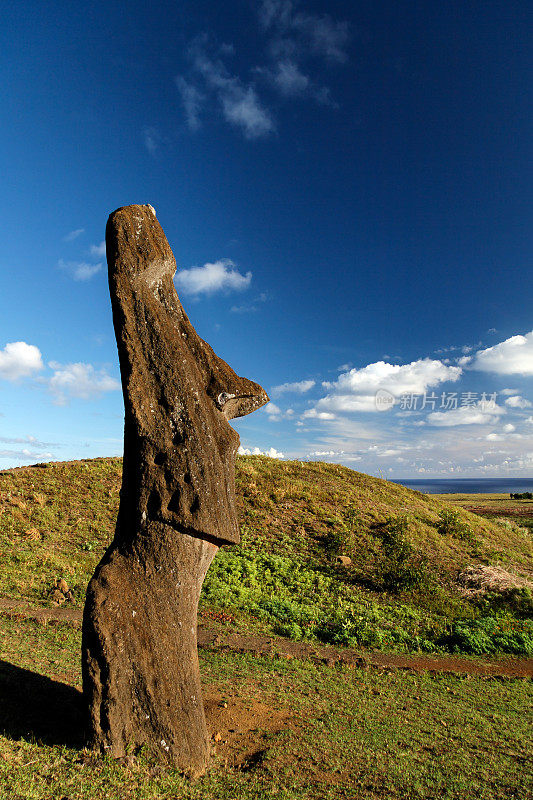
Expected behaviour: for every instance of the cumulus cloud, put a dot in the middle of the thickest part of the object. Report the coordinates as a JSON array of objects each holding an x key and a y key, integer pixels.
[
  {"x": 515, "y": 401},
  {"x": 299, "y": 387},
  {"x": 255, "y": 451},
  {"x": 480, "y": 413},
  {"x": 213, "y": 277},
  {"x": 79, "y": 380},
  {"x": 80, "y": 270},
  {"x": 275, "y": 413},
  {"x": 513, "y": 356},
  {"x": 69, "y": 237},
  {"x": 356, "y": 389},
  {"x": 313, "y": 413},
  {"x": 19, "y": 360}
]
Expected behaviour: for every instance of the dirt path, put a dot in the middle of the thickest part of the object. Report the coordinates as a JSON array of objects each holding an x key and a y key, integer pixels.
[{"x": 285, "y": 648}]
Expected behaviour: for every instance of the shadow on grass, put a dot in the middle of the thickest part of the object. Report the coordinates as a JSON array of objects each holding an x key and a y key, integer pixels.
[{"x": 38, "y": 708}]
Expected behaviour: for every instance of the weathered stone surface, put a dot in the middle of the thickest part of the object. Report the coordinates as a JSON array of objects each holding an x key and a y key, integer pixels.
[{"x": 140, "y": 666}]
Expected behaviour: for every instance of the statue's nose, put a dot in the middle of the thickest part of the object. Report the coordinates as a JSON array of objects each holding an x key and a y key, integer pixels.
[{"x": 239, "y": 405}]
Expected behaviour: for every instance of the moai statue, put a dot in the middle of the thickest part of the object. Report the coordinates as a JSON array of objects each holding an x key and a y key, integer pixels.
[{"x": 141, "y": 681}]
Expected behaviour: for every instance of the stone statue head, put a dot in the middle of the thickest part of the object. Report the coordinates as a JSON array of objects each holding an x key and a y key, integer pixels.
[{"x": 179, "y": 448}]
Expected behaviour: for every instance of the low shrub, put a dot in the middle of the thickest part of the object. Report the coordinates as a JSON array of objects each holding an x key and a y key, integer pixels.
[
  {"x": 490, "y": 634},
  {"x": 451, "y": 524},
  {"x": 401, "y": 568}
]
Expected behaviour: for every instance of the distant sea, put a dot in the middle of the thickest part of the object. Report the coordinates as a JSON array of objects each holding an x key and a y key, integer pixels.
[{"x": 468, "y": 485}]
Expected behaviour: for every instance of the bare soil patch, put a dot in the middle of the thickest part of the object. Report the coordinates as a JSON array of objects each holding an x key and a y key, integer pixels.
[
  {"x": 286, "y": 648},
  {"x": 240, "y": 726}
]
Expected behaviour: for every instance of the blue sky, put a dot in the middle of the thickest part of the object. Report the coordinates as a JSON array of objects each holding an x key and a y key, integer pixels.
[{"x": 347, "y": 191}]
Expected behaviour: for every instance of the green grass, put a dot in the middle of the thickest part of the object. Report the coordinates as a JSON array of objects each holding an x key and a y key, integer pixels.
[
  {"x": 349, "y": 733},
  {"x": 399, "y": 593}
]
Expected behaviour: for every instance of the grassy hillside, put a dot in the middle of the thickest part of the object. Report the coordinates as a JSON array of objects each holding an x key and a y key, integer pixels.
[
  {"x": 399, "y": 592},
  {"x": 281, "y": 728}
]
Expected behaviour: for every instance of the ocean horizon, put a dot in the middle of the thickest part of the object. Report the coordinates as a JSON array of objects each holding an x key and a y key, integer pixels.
[{"x": 467, "y": 485}]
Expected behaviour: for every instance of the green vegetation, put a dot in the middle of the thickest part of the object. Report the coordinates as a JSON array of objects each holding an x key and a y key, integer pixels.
[
  {"x": 288, "y": 729},
  {"x": 451, "y": 524},
  {"x": 399, "y": 592}
]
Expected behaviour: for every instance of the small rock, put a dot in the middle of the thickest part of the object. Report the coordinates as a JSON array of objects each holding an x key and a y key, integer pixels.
[
  {"x": 62, "y": 585},
  {"x": 57, "y": 597},
  {"x": 33, "y": 534},
  {"x": 345, "y": 561}
]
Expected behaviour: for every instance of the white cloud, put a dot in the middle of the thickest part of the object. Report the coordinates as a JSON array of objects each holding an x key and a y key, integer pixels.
[
  {"x": 326, "y": 37},
  {"x": 289, "y": 79},
  {"x": 218, "y": 276},
  {"x": 98, "y": 250},
  {"x": 529, "y": 420},
  {"x": 298, "y": 387},
  {"x": 312, "y": 413},
  {"x": 508, "y": 392},
  {"x": 356, "y": 390},
  {"x": 478, "y": 414},
  {"x": 239, "y": 102},
  {"x": 27, "y": 440},
  {"x": 241, "y": 107},
  {"x": 79, "y": 270},
  {"x": 275, "y": 413},
  {"x": 508, "y": 428},
  {"x": 515, "y": 401},
  {"x": 513, "y": 356},
  {"x": 26, "y": 455},
  {"x": 79, "y": 381},
  {"x": 298, "y": 30},
  {"x": 246, "y": 308},
  {"x": 19, "y": 360},
  {"x": 250, "y": 308},
  {"x": 192, "y": 100},
  {"x": 255, "y": 451},
  {"x": 151, "y": 139},
  {"x": 69, "y": 237}
]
